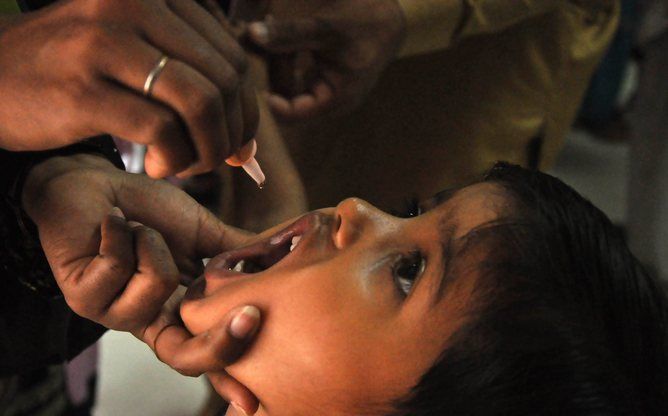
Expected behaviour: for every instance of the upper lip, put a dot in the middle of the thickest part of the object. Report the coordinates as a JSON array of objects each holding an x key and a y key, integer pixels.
[{"x": 272, "y": 250}]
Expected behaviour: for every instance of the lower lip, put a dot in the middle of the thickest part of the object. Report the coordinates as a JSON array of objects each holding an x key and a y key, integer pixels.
[
  {"x": 223, "y": 276},
  {"x": 219, "y": 265}
]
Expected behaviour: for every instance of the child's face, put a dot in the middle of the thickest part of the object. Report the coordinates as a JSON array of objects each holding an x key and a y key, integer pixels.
[{"x": 343, "y": 330}]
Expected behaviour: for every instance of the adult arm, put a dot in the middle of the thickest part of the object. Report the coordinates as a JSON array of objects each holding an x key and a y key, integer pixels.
[
  {"x": 77, "y": 69},
  {"x": 352, "y": 41},
  {"x": 432, "y": 25}
]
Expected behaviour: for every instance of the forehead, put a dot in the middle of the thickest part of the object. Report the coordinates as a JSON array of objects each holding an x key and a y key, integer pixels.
[{"x": 460, "y": 210}]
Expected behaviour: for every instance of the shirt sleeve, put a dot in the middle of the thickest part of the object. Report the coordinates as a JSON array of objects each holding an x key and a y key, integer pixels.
[{"x": 435, "y": 24}]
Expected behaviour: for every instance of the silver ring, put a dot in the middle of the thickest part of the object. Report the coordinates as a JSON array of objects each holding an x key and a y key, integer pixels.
[{"x": 153, "y": 75}]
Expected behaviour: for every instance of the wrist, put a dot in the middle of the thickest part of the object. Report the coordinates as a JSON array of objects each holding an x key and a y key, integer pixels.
[
  {"x": 40, "y": 175},
  {"x": 95, "y": 153}
]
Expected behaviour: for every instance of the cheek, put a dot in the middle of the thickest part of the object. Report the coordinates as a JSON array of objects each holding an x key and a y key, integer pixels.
[
  {"x": 305, "y": 318},
  {"x": 319, "y": 345},
  {"x": 321, "y": 339}
]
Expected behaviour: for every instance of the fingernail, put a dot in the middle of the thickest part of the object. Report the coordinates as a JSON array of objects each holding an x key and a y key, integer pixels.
[
  {"x": 245, "y": 322},
  {"x": 116, "y": 212},
  {"x": 259, "y": 31},
  {"x": 239, "y": 409},
  {"x": 244, "y": 154},
  {"x": 135, "y": 224}
]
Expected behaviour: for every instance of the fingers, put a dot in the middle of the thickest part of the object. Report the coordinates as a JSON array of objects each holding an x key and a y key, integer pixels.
[
  {"x": 241, "y": 108},
  {"x": 91, "y": 293},
  {"x": 143, "y": 121},
  {"x": 213, "y": 7},
  {"x": 200, "y": 83},
  {"x": 225, "y": 45},
  {"x": 250, "y": 109},
  {"x": 210, "y": 351},
  {"x": 283, "y": 36},
  {"x": 214, "y": 237},
  {"x": 211, "y": 114},
  {"x": 216, "y": 32},
  {"x": 155, "y": 279},
  {"x": 125, "y": 286},
  {"x": 242, "y": 400},
  {"x": 320, "y": 99},
  {"x": 234, "y": 127},
  {"x": 192, "y": 97},
  {"x": 192, "y": 232}
]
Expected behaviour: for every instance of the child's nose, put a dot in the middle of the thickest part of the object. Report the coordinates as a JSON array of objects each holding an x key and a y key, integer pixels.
[{"x": 355, "y": 219}]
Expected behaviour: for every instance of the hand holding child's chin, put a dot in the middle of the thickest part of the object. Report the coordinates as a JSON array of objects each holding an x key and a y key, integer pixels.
[{"x": 124, "y": 274}]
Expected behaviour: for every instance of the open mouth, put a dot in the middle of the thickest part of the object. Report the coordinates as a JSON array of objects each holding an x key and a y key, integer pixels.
[
  {"x": 269, "y": 255},
  {"x": 264, "y": 254}
]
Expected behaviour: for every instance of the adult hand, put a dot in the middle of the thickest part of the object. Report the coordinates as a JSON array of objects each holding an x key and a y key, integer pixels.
[
  {"x": 115, "y": 267},
  {"x": 78, "y": 69},
  {"x": 351, "y": 42}
]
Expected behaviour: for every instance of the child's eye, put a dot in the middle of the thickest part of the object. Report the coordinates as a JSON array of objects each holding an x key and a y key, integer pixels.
[
  {"x": 411, "y": 208},
  {"x": 406, "y": 271}
]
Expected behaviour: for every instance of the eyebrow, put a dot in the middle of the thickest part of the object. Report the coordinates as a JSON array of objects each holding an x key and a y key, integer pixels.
[
  {"x": 446, "y": 233},
  {"x": 442, "y": 197}
]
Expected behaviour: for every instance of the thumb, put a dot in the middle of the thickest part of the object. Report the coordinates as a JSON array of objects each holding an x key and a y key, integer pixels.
[
  {"x": 191, "y": 231},
  {"x": 284, "y": 36},
  {"x": 214, "y": 236}
]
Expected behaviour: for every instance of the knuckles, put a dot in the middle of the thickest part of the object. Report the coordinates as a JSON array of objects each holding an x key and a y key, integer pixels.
[
  {"x": 238, "y": 59},
  {"x": 205, "y": 108},
  {"x": 182, "y": 369},
  {"x": 86, "y": 41},
  {"x": 161, "y": 287},
  {"x": 229, "y": 82},
  {"x": 160, "y": 125},
  {"x": 80, "y": 301},
  {"x": 83, "y": 307},
  {"x": 205, "y": 104}
]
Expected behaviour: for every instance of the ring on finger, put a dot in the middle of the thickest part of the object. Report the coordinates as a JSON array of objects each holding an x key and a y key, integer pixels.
[{"x": 153, "y": 75}]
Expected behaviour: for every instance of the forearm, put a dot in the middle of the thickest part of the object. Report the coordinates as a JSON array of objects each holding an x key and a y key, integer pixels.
[{"x": 435, "y": 24}]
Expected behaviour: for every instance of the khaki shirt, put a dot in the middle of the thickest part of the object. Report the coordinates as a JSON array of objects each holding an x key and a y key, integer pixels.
[
  {"x": 8, "y": 7},
  {"x": 480, "y": 79}
]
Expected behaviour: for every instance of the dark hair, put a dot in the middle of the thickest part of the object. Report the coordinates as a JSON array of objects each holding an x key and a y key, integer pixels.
[{"x": 566, "y": 321}]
